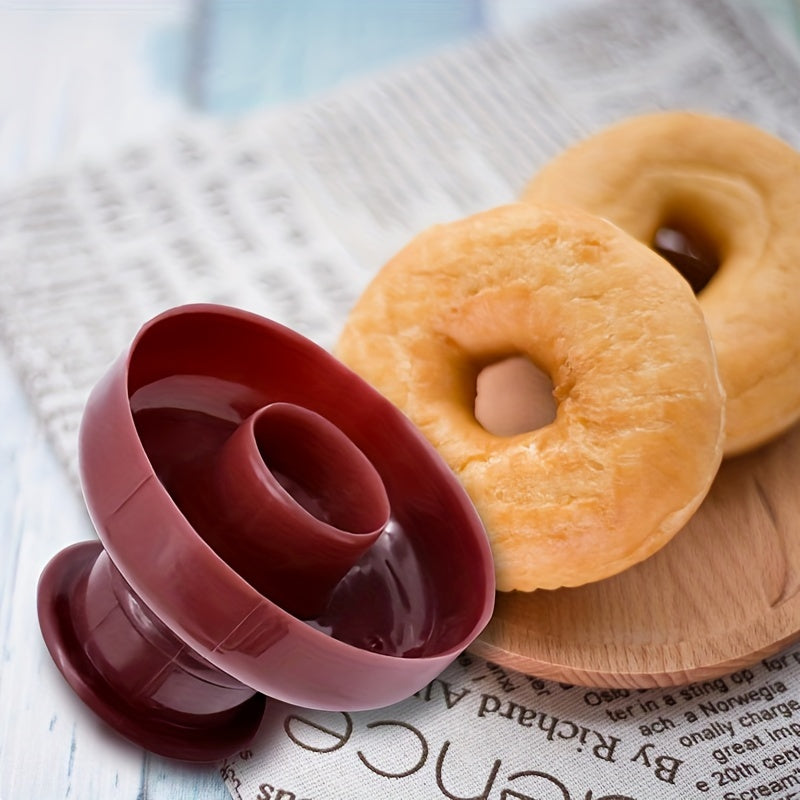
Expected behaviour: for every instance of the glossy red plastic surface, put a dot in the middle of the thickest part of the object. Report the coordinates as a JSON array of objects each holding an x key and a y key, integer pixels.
[
  {"x": 138, "y": 676},
  {"x": 288, "y": 501},
  {"x": 270, "y": 525}
]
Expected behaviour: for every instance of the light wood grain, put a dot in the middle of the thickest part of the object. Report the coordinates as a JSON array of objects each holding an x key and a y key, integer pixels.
[{"x": 722, "y": 594}]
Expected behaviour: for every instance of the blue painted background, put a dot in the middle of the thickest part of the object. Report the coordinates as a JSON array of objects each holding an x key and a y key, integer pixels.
[{"x": 236, "y": 55}]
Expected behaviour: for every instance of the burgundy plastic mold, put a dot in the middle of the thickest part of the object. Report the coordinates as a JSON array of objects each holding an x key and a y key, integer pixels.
[{"x": 268, "y": 525}]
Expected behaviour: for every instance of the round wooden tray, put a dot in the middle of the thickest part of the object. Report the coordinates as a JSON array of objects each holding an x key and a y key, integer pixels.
[{"x": 721, "y": 595}]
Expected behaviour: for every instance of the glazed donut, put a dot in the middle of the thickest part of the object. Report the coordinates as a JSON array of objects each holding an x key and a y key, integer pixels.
[
  {"x": 731, "y": 193},
  {"x": 637, "y": 436}
]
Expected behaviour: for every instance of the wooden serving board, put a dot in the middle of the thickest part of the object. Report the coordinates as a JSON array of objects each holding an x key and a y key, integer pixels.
[{"x": 722, "y": 594}]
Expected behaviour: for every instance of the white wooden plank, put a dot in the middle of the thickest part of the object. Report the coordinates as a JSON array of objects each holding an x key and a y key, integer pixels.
[{"x": 50, "y": 746}]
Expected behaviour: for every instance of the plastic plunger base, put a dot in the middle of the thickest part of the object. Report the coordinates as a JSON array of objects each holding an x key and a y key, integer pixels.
[{"x": 124, "y": 695}]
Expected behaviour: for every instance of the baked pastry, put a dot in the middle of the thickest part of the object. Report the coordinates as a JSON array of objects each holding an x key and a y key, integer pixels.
[
  {"x": 729, "y": 195},
  {"x": 637, "y": 436}
]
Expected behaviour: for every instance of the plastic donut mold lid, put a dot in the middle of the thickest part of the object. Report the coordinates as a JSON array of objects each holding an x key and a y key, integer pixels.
[{"x": 269, "y": 524}]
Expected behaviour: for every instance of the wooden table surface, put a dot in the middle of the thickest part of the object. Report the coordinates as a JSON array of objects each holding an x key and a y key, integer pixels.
[{"x": 79, "y": 79}]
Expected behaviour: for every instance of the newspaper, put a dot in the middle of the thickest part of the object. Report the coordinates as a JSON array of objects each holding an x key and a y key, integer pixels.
[
  {"x": 289, "y": 215},
  {"x": 478, "y": 732}
]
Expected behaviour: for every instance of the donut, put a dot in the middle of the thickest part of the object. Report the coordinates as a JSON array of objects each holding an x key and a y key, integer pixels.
[
  {"x": 637, "y": 434},
  {"x": 721, "y": 200}
]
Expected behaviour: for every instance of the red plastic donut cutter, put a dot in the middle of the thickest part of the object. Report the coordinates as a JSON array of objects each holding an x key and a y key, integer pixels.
[{"x": 269, "y": 525}]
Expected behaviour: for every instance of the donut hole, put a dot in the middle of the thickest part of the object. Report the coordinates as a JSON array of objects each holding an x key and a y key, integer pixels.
[
  {"x": 513, "y": 395},
  {"x": 689, "y": 250}
]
